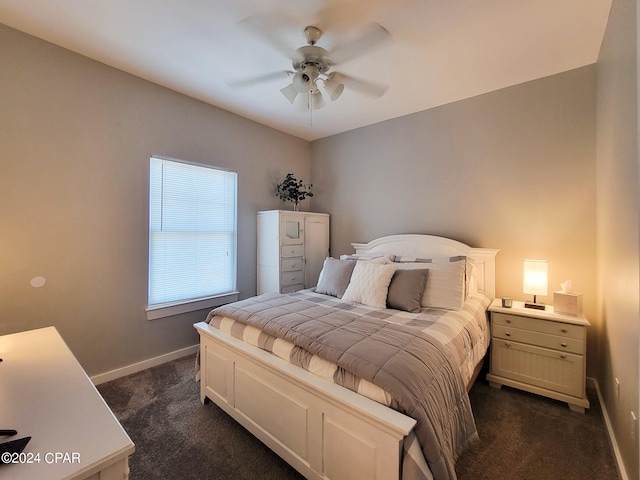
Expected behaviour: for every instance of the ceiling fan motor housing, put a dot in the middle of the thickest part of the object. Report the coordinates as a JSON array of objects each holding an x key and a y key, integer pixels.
[
  {"x": 313, "y": 62},
  {"x": 312, "y": 56}
]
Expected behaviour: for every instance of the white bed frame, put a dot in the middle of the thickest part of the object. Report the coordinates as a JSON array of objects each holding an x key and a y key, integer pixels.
[{"x": 323, "y": 430}]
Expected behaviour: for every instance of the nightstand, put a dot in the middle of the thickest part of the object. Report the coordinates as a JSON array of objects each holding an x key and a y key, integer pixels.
[{"x": 539, "y": 351}]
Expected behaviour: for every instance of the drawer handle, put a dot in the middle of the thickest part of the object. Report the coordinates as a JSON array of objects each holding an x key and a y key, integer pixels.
[
  {"x": 563, "y": 344},
  {"x": 564, "y": 330},
  {"x": 508, "y": 321},
  {"x": 507, "y": 344},
  {"x": 508, "y": 334},
  {"x": 563, "y": 357}
]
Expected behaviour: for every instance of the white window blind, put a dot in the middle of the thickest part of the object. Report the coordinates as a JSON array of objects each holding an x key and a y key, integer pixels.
[{"x": 192, "y": 231}]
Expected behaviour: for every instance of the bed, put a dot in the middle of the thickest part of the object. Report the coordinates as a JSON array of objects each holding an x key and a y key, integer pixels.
[{"x": 344, "y": 387}]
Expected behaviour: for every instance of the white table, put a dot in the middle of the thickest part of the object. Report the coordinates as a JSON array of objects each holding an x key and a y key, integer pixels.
[{"x": 45, "y": 394}]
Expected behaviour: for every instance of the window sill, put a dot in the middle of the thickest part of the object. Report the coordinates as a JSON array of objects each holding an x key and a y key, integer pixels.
[{"x": 169, "y": 309}]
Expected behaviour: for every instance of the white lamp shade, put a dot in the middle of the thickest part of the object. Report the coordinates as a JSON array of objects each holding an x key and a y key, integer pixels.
[
  {"x": 302, "y": 83},
  {"x": 290, "y": 92},
  {"x": 316, "y": 100},
  {"x": 333, "y": 87},
  {"x": 535, "y": 279}
]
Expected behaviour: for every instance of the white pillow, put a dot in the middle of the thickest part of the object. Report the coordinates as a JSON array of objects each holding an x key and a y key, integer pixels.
[
  {"x": 445, "y": 284},
  {"x": 377, "y": 258},
  {"x": 369, "y": 284},
  {"x": 472, "y": 277}
]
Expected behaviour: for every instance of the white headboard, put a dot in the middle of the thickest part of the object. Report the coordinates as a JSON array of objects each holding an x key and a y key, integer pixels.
[{"x": 430, "y": 246}]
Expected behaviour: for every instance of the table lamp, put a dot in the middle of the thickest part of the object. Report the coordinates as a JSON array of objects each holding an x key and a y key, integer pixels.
[{"x": 535, "y": 281}]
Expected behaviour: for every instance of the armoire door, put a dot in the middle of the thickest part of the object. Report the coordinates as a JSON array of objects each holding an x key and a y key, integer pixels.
[{"x": 316, "y": 247}]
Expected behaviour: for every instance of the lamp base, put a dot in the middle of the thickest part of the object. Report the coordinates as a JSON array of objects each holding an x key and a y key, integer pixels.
[{"x": 537, "y": 306}]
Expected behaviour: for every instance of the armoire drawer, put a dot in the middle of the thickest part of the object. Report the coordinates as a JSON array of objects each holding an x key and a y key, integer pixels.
[
  {"x": 291, "y": 264},
  {"x": 291, "y": 278},
  {"x": 292, "y": 250},
  {"x": 291, "y": 288}
]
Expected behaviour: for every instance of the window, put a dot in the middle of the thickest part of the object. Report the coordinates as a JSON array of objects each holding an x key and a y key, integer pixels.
[{"x": 192, "y": 237}]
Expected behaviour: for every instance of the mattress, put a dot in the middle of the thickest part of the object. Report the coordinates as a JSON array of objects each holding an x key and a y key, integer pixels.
[{"x": 465, "y": 331}]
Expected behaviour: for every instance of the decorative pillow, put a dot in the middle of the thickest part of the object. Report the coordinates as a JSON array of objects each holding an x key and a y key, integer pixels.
[
  {"x": 334, "y": 277},
  {"x": 406, "y": 289},
  {"x": 446, "y": 286},
  {"x": 369, "y": 284},
  {"x": 471, "y": 274},
  {"x": 471, "y": 283}
]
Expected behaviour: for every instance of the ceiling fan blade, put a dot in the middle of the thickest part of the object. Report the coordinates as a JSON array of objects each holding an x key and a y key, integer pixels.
[
  {"x": 267, "y": 77},
  {"x": 267, "y": 29},
  {"x": 374, "y": 36},
  {"x": 365, "y": 87}
]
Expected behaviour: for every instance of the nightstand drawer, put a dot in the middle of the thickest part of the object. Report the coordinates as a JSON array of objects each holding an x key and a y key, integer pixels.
[
  {"x": 537, "y": 325},
  {"x": 291, "y": 264},
  {"x": 292, "y": 250},
  {"x": 540, "y": 367},
  {"x": 563, "y": 344}
]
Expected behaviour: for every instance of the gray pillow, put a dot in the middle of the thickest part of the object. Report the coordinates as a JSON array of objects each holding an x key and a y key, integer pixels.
[
  {"x": 406, "y": 289},
  {"x": 335, "y": 276}
]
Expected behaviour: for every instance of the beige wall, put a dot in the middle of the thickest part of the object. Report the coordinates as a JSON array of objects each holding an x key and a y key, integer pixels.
[
  {"x": 75, "y": 141},
  {"x": 618, "y": 239},
  {"x": 513, "y": 169}
]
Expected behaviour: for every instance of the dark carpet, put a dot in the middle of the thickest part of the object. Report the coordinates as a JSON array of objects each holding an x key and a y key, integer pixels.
[{"x": 523, "y": 436}]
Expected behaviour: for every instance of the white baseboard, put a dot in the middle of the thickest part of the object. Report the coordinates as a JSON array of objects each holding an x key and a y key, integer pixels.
[
  {"x": 143, "y": 365},
  {"x": 612, "y": 438}
]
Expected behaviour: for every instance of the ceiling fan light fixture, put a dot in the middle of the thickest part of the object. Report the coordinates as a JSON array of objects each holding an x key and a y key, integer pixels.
[
  {"x": 302, "y": 82},
  {"x": 333, "y": 87},
  {"x": 316, "y": 101},
  {"x": 290, "y": 92}
]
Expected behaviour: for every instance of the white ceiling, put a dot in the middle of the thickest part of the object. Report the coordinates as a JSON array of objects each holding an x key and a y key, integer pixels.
[{"x": 442, "y": 50}]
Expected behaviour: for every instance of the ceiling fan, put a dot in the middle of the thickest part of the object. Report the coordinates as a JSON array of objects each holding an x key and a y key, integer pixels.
[{"x": 312, "y": 65}]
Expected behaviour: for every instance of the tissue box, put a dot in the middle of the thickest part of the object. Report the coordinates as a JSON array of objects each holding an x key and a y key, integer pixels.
[{"x": 567, "y": 303}]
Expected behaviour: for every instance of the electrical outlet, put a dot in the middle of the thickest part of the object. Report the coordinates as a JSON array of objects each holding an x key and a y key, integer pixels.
[{"x": 634, "y": 426}]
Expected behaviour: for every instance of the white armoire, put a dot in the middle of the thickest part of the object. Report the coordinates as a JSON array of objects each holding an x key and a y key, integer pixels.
[{"x": 291, "y": 248}]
